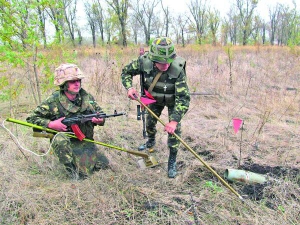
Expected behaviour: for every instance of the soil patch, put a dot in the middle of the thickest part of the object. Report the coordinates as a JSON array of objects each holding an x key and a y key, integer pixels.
[
  {"x": 256, "y": 191},
  {"x": 275, "y": 172}
]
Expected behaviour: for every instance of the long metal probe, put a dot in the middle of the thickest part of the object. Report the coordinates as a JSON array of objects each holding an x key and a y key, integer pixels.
[{"x": 193, "y": 152}]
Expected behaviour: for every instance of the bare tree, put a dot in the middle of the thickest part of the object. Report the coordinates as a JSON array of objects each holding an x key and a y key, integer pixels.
[
  {"x": 231, "y": 25},
  {"x": 108, "y": 28},
  {"x": 99, "y": 16},
  {"x": 214, "y": 22},
  {"x": 257, "y": 27},
  {"x": 274, "y": 20},
  {"x": 288, "y": 25},
  {"x": 263, "y": 31},
  {"x": 157, "y": 27},
  {"x": 54, "y": 9},
  {"x": 180, "y": 27},
  {"x": 144, "y": 13},
  {"x": 91, "y": 20},
  {"x": 167, "y": 17},
  {"x": 42, "y": 21},
  {"x": 224, "y": 31},
  {"x": 120, "y": 7},
  {"x": 134, "y": 25},
  {"x": 69, "y": 7},
  {"x": 246, "y": 14},
  {"x": 198, "y": 10},
  {"x": 79, "y": 36},
  {"x": 294, "y": 28}
]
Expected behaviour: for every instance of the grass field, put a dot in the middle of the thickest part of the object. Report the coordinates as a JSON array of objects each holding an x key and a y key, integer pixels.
[{"x": 256, "y": 84}]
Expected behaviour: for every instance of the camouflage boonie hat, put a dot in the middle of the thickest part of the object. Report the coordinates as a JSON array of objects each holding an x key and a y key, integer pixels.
[
  {"x": 66, "y": 72},
  {"x": 162, "y": 50}
]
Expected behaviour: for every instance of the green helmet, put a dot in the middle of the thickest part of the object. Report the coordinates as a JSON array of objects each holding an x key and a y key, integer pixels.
[{"x": 162, "y": 50}]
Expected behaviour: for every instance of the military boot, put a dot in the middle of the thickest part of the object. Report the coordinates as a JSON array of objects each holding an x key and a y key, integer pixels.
[
  {"x": 72, "y": 171},
  {"x": 149, "y": 144},
  {"x": 172, "y": 163}
]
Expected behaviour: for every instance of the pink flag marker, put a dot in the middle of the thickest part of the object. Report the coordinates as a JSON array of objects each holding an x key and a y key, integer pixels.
[
  {"x": 236, "y": 124},
  {"x": 147, "y": 101},
  {"x": 147, "y": 93}
]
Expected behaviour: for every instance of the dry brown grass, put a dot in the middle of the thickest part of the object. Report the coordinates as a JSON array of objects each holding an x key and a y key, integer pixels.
[{"x": 264, "y": 93}]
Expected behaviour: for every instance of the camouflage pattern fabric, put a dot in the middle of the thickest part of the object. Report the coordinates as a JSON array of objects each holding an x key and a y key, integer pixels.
[
  {"x": 177, "y": 102},
  {"x": 66, "y": 72},
  {"x": 175, "y": 76},
  {"x": 162, "y": 50},
  {"x": 173, "y": 143},
  {"x": 82, "y": 154}
]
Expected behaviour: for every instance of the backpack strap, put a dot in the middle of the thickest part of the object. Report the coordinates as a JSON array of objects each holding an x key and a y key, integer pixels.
[{"x": 154, "y": 81}]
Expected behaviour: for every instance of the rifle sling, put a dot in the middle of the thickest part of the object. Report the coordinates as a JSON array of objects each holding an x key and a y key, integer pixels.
[{"x": 155, "y": 81}]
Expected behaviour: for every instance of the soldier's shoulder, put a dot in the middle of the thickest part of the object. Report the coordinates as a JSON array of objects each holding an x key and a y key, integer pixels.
[
  {"x": 89, "y": 96},
  {"x": 179, "y": 61},
  {"x": 145, "y": 63},
  {"x": 52, "y": 98},
  {"x": 176, "y": 67},
  {"x": 145, "y": 57}
]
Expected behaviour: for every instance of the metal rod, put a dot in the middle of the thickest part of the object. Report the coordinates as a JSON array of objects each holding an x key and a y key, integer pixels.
[{"x": 193, "y": 152}]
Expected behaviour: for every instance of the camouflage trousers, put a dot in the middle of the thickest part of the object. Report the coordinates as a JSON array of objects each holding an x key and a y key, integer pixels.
[
  {"x": 152, "y": 122},
  {"x": 84, "y": 156}
]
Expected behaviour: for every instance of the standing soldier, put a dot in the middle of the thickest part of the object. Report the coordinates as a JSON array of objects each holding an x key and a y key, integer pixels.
[
  {"x": 79, "y": 157},
  {"x": 165, "y": 80}
]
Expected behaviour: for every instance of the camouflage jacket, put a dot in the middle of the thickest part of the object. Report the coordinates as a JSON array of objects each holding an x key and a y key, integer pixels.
[
  {"x": 171, "y": 88},
  {"x": 58, "y": 105}
]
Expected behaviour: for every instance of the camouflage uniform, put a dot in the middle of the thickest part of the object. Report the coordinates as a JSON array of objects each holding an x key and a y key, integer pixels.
[
  {"x": 171, "y": 90},
  {"x": 80, "y": 156}
]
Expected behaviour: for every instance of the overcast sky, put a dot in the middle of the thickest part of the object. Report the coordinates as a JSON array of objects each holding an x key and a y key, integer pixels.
[
  {"x": 180, "y": 6},
  {"x": 223, "y": 5}
]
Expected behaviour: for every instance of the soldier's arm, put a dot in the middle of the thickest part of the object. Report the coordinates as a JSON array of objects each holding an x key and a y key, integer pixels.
[
  {"x": 182, "y": 98},
  {"x": 97, "y": 109},
  {"x": 129, "y": 71},
  {"x": 40, "y": 116}
]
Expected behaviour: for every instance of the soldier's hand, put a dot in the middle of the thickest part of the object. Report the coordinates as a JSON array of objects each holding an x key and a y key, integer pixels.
[
  {"x": 57, "y": 125},
  {"x": 97, "y": 120},
  {"x": 171, "y": 127},
  {"x": 132, "y": 93}
]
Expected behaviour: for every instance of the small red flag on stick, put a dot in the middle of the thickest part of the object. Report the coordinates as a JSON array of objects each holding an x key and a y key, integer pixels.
[{"x": 237, "y": 124}]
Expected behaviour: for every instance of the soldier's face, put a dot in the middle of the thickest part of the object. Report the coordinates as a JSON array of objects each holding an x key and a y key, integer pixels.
[
  {"x": 162, "y": 66},
  {"x": 74, "y": 85}
]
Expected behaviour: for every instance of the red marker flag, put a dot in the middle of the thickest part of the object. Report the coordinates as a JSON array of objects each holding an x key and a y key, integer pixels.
[
  {"x": 237, "y": 124},
  {"x": 147, "y": 93},
  {"x": 147, "y": 101}
]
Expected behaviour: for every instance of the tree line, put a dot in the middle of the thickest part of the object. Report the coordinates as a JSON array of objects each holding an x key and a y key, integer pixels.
[
  {"x": 123, "y": 22},
  {"x": 36, "y": 35}
]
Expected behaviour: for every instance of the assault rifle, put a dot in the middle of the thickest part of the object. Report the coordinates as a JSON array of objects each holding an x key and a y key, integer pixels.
[
  {"x": 79, "y": 119},
  {"x": 141, "y": 111},
  {"x": 84, "y": 118}
]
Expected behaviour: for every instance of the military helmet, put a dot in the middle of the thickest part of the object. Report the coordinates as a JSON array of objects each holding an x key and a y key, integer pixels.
[
  {"x": 66, "y": 72},
  {"x": 162, "y": 50}
]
